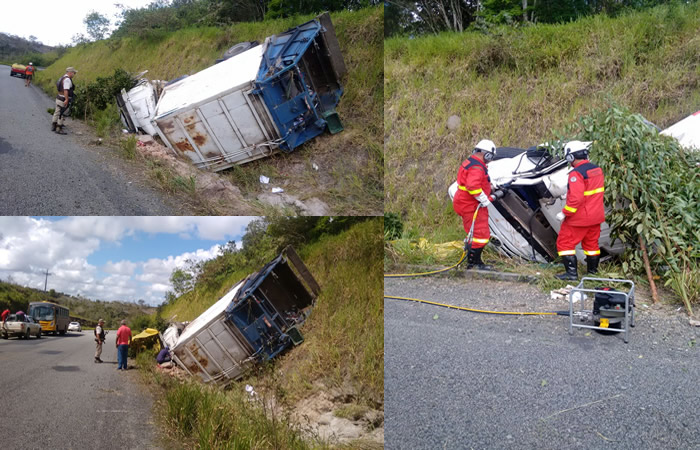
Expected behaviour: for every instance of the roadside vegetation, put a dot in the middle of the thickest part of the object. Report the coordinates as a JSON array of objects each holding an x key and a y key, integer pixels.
[
  {"x": 523, "y": 86},
  {"x": 350, "y": 164},
  {"x": 343, "y": 337}
]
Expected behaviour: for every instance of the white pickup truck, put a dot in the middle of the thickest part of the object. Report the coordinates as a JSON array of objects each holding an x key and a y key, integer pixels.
[{"x": 20, "y": 325}]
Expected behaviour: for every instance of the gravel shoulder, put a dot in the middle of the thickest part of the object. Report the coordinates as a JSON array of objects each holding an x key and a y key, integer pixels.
[{"x": 466, "y": 380}]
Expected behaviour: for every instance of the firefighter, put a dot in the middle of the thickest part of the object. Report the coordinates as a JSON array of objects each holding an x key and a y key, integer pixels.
[
  {"x": 583, "y": 213},
  {"x": 474, "y": 190},
  {"x": 28, "y": 74}
]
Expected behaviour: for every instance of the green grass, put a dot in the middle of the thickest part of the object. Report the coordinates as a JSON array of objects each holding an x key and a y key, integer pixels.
[
  {"x": 343, "y": 349},
  {"x": 515, "y": 86},
  {"x": 351, "y": 180}
]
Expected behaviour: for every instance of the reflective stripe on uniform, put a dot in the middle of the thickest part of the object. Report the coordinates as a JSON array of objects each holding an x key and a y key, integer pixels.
[
  {"x": 594, "y": 191},
  {"x": 480, "y": 241},
  {"x": 474, "y": 192},
  {"x": 570, "y": 209},
  {"x": 567, "y": 252},
  {"x": 591, "y": 252}
]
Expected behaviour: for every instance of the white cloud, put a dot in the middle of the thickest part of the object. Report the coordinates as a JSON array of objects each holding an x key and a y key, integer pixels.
[
  {"x": 121, "y": 267},
  {"x": 29, "y": 246}
]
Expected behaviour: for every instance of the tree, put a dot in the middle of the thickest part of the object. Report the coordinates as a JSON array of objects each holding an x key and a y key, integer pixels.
[
  {"x": 181, "y": 281},
  {"x": 435, "y": 16},
  {"x": 97, "y": 25}
]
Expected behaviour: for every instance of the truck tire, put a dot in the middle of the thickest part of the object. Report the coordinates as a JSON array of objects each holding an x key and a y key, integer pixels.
[
  {"x": 238, "y": 49},
  {"x": 63, "y": 331},
  {"x": 5, "y": 336},
  {"x": 38, "y": 335},
  {"x": 28, "y": 334}
]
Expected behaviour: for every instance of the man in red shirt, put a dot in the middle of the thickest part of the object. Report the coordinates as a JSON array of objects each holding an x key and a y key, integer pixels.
[
  {"x": 123, "y": 342},
  {"x": 474, "y": 191},
  {"x": 583, "y": 213}
]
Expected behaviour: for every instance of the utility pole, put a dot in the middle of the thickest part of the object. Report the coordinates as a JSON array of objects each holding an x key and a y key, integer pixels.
[{"x": 46, "y": 280}]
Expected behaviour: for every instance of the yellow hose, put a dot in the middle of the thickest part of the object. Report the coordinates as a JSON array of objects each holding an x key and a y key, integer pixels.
[
  {"x": 462, "y": 308},
  {"x": 397, "y": 275}
]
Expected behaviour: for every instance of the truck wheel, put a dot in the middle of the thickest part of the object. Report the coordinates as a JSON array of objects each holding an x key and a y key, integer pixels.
[
  {"x": 27, "y": 334},
  {"x": 239, "y": 48},
  {"x": 4, "y": 336},
  {"x": 38, "y": 335},
  {"x": 63, "y": 331}
]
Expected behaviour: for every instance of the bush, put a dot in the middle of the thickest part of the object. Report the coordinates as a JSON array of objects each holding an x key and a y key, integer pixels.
[
  {"x": 393, "y": 227},
  {"x": 100, "y": 94},
  {"x": 653, "y": 183}
]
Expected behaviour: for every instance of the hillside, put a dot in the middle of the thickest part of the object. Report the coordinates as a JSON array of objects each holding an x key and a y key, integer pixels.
[
  {"x": 13, "y": 46},
  {"x": 347, "y": 319},
  {"x": 17, "y": 298},
  {"x": 350, "y": 174},
  {"x": 516, "y": 85}
]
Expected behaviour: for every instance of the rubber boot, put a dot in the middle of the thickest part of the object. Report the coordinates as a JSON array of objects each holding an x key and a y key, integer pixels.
[
  {"x": 474, "y": 260},
  {"x": 53, "y": 126},
  {"x": 592, "y": 263},
  {"x": 59, "y": 130},
  {"x": 570, "y": 264}
]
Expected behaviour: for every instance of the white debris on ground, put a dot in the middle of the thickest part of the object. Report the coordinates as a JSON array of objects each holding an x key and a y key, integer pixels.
[
  {"x": 215, "y": 187},
  {"x": 264, "y": 179},
  {"x": 563, "y": 294}
]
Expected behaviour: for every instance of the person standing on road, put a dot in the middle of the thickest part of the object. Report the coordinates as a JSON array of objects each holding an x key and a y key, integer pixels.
[
  {"x": 474, "y": 190},
  {"x": 123, "y": 342},
  {"x": 5, "y": 314},
  {"x": 583, "y": 213},
  {"x": 28, "y": 74},
  {"x": 65, "y": 89},
  {"x": 99, "y": 339}
]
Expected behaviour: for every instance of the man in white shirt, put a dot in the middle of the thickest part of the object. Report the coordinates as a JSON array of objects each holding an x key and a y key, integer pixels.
[{"x": 65, "y": 92}]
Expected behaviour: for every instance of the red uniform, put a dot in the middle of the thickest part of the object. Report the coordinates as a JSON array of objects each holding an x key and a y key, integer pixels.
[
  {"x": 29, "y": 70},
  {"x": 472, "y": 180},
  {"x": 584, "y": 210}
]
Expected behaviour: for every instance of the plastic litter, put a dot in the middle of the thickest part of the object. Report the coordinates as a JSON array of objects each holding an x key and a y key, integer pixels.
[
  {"x": 264, "y": 179},
  {"x": 276, "y": 190},
  {"x": 315, "y": 166}
]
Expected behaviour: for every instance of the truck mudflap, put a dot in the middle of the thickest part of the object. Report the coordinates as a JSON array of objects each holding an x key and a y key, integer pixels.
[{"x": 300, "y": 80}]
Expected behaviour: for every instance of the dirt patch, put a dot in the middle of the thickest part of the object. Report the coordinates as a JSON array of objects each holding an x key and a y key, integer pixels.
[{"x": 332, "y": 416}]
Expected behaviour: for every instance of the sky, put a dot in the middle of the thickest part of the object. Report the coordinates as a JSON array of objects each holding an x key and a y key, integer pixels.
[
  {"x": 110, "y": 258},
  {"x": 41, "y": 18}
]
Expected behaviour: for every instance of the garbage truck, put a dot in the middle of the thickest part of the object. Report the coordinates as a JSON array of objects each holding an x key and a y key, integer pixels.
[{"x": 255, "y": 321}]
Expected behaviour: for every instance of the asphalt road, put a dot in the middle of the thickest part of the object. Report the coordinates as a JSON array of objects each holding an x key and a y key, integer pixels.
[
  {"x": 466, "y": 380},
  {"x": 42, "y": 173},
  {"x": 52, "y": 395}
]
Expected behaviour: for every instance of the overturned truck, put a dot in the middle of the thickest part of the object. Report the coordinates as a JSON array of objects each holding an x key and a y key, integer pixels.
[
  {"x": 269, "y": 97},
  {"x": 255, "y": 321}
]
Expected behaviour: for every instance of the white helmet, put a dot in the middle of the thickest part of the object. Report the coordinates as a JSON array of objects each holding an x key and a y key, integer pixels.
[
  {"x": 487, "y": 147},
  {"x": 576, "y": 150},
  {"x": 31, "y": 64}
]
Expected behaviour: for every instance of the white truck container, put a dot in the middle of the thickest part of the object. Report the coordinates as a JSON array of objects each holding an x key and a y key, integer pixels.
[
  {"x": 213, "y": 118},
  {"x": 254, "y": 322}
]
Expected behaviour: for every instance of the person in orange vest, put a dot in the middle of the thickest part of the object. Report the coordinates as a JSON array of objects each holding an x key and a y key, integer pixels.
[
  {"x": 474, "y": 191},
  {"x": 28, "y": 74},
  {"x": 583, "y": 213}
]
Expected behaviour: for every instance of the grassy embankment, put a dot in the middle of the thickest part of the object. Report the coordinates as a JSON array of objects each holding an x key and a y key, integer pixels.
[
  {"x": 515, "y": 86},
  {"x": 351, "y": 163},
  {"x": 343, "y": 351}
]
